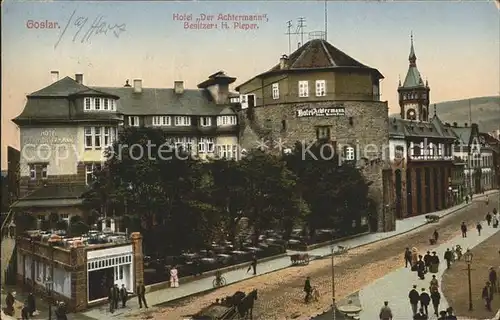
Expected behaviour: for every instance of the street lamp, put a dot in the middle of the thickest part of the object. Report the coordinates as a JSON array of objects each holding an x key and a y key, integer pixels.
[
  {"x": 48, "y": 285},
  {"x": 468, "y": 259}
]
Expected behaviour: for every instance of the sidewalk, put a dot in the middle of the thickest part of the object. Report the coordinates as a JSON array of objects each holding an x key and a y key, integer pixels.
[
  {"x": 205, "y": 284},
  {"x": 394, "y": 287}
]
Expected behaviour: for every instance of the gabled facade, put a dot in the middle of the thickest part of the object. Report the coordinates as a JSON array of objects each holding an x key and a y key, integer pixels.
[
  {"x": 319, "y": 93},
  {"x": 420, "y": 150},
  {"x": 66, "y": 127}
]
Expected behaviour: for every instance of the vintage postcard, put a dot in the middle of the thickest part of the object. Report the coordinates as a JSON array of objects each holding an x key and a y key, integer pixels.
[{"x": 250, "y": 159}]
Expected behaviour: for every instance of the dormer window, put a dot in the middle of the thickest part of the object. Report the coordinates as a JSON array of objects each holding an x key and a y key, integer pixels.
[
  {"x": 133, "y": 121},
  {"x": 182, "y": 121},
  {"x": 99, "y": 104},
  {"x": 227, "y": 120},
  {"x": 205, "y": 121}
]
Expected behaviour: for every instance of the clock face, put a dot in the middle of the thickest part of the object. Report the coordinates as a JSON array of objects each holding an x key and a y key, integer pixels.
[{"x": 411, "y": 115}]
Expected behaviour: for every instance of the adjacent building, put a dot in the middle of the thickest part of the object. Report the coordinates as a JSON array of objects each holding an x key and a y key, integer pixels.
[
  {"x": 420, "y": 150},
  {"x": 66, "y": 127},
  {"x": 319, "y": 93}
]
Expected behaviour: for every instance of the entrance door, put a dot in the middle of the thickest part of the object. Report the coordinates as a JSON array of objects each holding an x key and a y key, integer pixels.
[{"x": 399, "y": 186}]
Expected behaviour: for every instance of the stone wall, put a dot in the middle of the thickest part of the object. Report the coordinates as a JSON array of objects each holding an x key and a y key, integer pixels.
[
  {"x": 363, "y": 127},
  {"x": 138, "y": 258}
]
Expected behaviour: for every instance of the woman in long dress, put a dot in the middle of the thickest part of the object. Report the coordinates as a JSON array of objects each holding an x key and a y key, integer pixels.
[{"x": 174, "y": 278}]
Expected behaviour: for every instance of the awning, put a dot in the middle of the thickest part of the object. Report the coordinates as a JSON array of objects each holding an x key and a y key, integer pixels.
[{"x": 45, "y": 203}]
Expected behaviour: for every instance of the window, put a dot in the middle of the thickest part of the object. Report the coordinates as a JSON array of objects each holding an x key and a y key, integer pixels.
[
  {"x": 182, "y": 121},
  {"x": 186, "y": 143},
  {"x": 276, "y": 91},
  {"x": 226, "y": 120},
  {"x": 227, "y": 151},
  {"x": 44, "y": 171},
  {"x": 105, "y": 104},
  {"x": 159, "y": 121},
  {"x": 90, "y": 168},
  {"x": 349, "y": 154},
  {"x": 323, "y": 133},
  {"x": 109, "y": 136},
  {"x": 97, "y": 103},
  {"x": 320, "y": 88},
  {"x": 303, "y": 89},
  {"x": 32, "y": 172},
  {"x": 64, "y": 216},
  {"x": 205, "y": 121},
  {"x": 88, "y": 105},
  {"x": 399, "y": 152},
  {"x": 41, "y": 217},
  {"x": 113, "y": 105},
  {"x": 133, "y": 121},
  {"x": 97, "y": 137},
  {"x": 206, "y": 145}
]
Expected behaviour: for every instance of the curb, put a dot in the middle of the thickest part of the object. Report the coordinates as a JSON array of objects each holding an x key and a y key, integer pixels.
[{"x": 278, "y": 269}]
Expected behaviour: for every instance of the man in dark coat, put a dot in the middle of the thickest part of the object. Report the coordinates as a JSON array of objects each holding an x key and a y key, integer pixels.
[
  {"x": 420, "y": 315},
  {"x": 487, "y": 295},
  {"x": 9, "y": 302},
  {"x": 448, "y": 256},
  {"x": 141, "y": 295},
  {"x": 436, "y": 299},
  {"x": 25, "y": 312},
  {"x": 450, "y": 315},
  {"x": 493, "y": 279},
  {"x": 116, "y": 296},
  {"x": 307, "y": 289},
  {"x": 111, "y": 299},
  {"x": 425, "y": 300},
  {"x": 420, "y": 268},
  {"x": 31, "y": 304},
  {"x": 488, "y": 218},
  {"x": 479, "y": 227},
  {"x": 414, "y": 299},
  {"x": 427, "y": 261},
  {"x": 61, "y": 311},
  {"x": 435, "y": 235},
  {"x": 463, "y": 228},
  {"x": 123, "y": 295},
  {"x": 407, "y": 257},
  {"x": 253, "y": 265}
]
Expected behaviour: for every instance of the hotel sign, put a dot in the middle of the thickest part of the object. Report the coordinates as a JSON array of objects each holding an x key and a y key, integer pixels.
[{"x": 321, "y": 112}]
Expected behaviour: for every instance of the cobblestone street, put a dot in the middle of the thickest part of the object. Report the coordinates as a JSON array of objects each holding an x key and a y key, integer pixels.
[{"x": 280, "y": 293}]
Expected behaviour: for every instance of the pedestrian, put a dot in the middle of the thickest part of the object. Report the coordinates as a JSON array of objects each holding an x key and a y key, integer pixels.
[
  {"x": 466, "y": 199},
  {"x": 31, "y": 304},
  {"x": 61, "y": 311},
  {"x": 495, "y": 222},
  {"x": 407, "y": 257},
  {"x": 111, "y": 299},
  {"x": 123, "y": 295},
  {"x": 425, "y": 300},
  {"x": 479, "y": 227},
  {"x": 253, "y": 265},
  {"x": 420, "y": 315},
  {"x": 436, "y": 299},
  {"x": 442, "y": 315},
  {"x": 414, "y": 299},
  {"x": 450, "y": 315},
  {"x": 9, "y": 302},
  {"x": 141, "y": 295},
  {"x": 116, "y": 296},
  {"x": 174, "y": 277},
  {"x": 307, "y": 289},
  {"x": 385, "y": 312},
  {"x": 488, "y": 218},
  {"x": 427, "y": 261},
  {"x": 463, "y": 228},
  {"x": 420, "y": 268},
  {"x": 25, "y": 312},
  {"x": 458, "y": 251},
  {"x": 448, "y": 256},
  {"x": 434, "y": 284},
  {"x": 434, "y": 262},
  {"x": 436, "y": 235},
  {"x": 487, "y": 295},
  {"x": 493, "y": 279}
]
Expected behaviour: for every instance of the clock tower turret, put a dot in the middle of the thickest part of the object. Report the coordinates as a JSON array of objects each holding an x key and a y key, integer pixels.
[{"x": 414, "y": 93}]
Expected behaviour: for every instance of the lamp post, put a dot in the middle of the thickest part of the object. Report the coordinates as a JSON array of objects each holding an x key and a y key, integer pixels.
[
  {"x": 334, "y": 306},
  {"x": 48, "y": 285},
  {"x": 468, "y": 259}
]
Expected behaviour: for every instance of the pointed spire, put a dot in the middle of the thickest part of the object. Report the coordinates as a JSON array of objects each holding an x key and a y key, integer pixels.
[
  {"x": 412, "y": 58},
  {"x": 399, "y": 78},
  {"x": 435, "y": 110}
]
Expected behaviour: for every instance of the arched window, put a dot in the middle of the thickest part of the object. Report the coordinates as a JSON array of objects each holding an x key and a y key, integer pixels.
[{"x": 424, "y": 115}]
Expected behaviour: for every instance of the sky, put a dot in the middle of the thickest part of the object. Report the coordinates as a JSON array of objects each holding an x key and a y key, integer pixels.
[{"x": 457, "y": 44}]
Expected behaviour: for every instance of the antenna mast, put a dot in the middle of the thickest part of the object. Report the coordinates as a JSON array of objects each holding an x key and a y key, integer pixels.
[
  {"x": 326, "y": 20},
  {"x": 289, "y": 33},
  {"x": 300, "y": 29}
]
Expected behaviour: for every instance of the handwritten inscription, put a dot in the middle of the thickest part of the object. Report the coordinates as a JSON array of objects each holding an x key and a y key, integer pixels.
[
  {"x": 220, "y": 21},
  {"x": 87, "y": 28}
]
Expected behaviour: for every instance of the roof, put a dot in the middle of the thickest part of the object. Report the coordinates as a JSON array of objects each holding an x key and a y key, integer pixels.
[
  {"x": 463, "y": 134},
  {"x": 57, "y": 191},
  {"x": 413, "y": 78},
  {"x": 318, "y": 54},
  {"x": 158, "y": 101},
  {"x": 406, "y": 128},
  {"x": 49, "y": 203},
  {"x": 64, "y": 88}
]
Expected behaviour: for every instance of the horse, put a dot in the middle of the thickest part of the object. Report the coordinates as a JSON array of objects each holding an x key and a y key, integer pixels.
[{"x": 245, "y": 307}]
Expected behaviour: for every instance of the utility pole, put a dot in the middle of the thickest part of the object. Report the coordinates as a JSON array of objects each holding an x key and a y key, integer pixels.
[
  {"x": 326, "y": 20},
  {"x": 334, "y": 307},
  {"x": 471, "y": 153},
  {"x": 300, "y": 29},
  {"x": 289, "y": 33}
]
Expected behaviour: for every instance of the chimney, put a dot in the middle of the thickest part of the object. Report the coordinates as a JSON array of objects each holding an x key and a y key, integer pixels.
[
  {"x": 54, "y": 75},
  {"x": 79, "y": 78},
  {"x": 137, "y": 85},
  {"x": 284, "y": 62},
  {"x": 455, "y": 125},
  {"x": 466, "y": 124},
  {"x": 179, "y": 87},
  {"x": 218, "y": 86},
  {"x": 127, "y": 85}
]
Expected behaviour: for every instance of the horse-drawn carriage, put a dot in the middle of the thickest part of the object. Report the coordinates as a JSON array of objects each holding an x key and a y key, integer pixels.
[
  {"x": 299, "y": 258},
  {"x": 237, "y": 306}
]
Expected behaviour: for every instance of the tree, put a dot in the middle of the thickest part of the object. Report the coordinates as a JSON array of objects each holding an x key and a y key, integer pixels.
[
  {"x": 269, "y": 191},
  {"x": 336, "y": 193}
]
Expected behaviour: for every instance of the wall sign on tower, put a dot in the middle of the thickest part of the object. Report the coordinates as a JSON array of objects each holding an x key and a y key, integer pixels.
[{"x": 321, "y": 112}]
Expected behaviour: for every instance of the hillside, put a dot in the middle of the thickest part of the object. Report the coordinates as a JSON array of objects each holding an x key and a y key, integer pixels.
[{"x": 485, "y": 112}]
